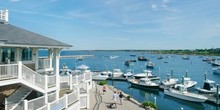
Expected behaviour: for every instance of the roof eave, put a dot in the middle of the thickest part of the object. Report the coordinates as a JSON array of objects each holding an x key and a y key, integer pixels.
[{"x": 36, "y": 46}]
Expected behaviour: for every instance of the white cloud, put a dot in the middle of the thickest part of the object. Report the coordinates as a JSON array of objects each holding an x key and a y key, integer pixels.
[
  {"x": 154, "y": 6},
  {"x": 15, "y": 0}
]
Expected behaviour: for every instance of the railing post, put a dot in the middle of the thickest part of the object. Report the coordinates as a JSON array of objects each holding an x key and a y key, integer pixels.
[
  {"x": 66, "y": 101},
  {"x": 6, "y": 103},
  {"x": 19, "y": 70},
  {"x": 84, "y": 76},
  {"x": 48, "y": 106},
  {"x": 71, "y": 81},
  {"x": 46, "y": 82},
  {"x": 25, "y": 102},
  {"x": 77, "y": 79},
  {"x": 46, "y": 98}
]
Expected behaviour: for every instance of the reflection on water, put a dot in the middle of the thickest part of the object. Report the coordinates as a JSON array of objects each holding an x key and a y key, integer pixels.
[{"x": 195, "y": 106}]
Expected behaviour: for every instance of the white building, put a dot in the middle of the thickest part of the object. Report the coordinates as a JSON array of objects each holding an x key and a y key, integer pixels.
[{"x": 28, "y": 82}]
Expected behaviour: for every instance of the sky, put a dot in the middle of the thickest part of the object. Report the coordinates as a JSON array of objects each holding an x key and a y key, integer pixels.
[{"x": 121, "y": 24}]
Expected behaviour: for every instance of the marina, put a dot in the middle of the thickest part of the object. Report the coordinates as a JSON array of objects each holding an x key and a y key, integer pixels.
[{"x": 177, "y": 67}]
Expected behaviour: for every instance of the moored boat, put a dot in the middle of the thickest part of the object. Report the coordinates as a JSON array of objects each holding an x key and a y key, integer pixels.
[
  {"x": 182, "y": 93},
  {"x": 150, "y": 65},
  {"x": 146, "y": 74},
  {"x": 129, "y": 73},
  {"x": 187, "y": 82},
  {"x": 144, "y": 83},
  {"x": 116, "y": 73},
  {"x": 142, "y": 58},
  {"x": 169, "y": 81},
  {"x": 208, "y": 87},
  {"x": 101, "y": 76},
  {"x": 216, "y": 70}
]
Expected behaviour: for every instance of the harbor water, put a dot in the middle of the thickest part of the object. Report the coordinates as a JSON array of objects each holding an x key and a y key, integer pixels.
[{"x": 109, "y": 60}]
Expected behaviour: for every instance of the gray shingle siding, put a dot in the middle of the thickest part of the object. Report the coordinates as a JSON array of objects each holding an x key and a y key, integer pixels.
[{"x": 17, "y": 36}]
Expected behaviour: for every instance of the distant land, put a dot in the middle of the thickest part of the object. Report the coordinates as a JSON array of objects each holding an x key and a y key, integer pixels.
[{"x": 204, "y": 52}]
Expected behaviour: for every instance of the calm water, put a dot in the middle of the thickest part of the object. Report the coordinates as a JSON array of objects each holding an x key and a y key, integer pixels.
[{"x": 195, "y": 67}]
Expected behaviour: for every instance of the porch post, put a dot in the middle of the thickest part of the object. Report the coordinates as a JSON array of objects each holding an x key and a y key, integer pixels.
[
  {"x": 50, "y": 56},
  {"x": 56, "y": 70},
  {"x": 17, "y": 54},
  {"x": 35, "y": 57}
]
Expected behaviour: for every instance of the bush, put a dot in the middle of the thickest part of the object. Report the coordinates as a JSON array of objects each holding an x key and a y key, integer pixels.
[
  {"x": 148, "y": 103},
  {"x": 128, "y": 97},
  {"x": 102, "y": 83}
]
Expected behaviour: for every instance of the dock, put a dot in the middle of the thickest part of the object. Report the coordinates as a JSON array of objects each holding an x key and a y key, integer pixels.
[{"x": 100, "y": 101}]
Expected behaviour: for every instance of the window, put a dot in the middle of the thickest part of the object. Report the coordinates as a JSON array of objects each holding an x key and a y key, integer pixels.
[
  {"x": 26, "y": 54},
  {"x": 7, "y": 53}
]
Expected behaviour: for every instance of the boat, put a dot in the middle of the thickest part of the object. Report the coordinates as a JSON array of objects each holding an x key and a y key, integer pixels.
[
  {"x": 216, "y": 70},
  {"x": 146, "y": 74},
  {"x": 113, "y": 57},
  {"x": 215, "y": 63},
  {"x": 160, "y": 57},
  {"x": 144, "y": 83},
  {"x": 129, "y": 63},
  {"x": 182, "y": 93},
  {"x": 169, "y": 81},
  {"x": 80, "y": 58},
  {"x": 208, "y": 87},
  {"x": 129, "y": 73},
  {"x": 101, "y": 76},
  {"x": 187, "y": 82},
  {"x": 185, "y": 58},
  {"x": 150, "y": 65},
  {"x": 142, "y": 58},
  {"x": 116, "y": 73}
]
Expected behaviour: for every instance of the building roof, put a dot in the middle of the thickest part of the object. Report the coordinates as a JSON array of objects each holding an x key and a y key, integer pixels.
[{"x": 14, "y": 36}]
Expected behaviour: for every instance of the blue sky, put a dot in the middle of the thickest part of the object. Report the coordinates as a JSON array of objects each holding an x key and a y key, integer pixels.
[{"x": 121, "y": 24}]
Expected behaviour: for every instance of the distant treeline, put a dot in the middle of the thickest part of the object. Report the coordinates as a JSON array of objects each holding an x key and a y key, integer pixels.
[{"x": 208, "y": 52}]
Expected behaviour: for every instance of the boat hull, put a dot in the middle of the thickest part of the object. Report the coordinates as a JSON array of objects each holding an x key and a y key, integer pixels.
[
  {"x": 155, "y": 87},
  {"x": 186, "y": 96}
]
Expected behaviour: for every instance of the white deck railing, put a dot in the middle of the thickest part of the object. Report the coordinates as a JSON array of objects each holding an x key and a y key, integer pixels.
[
  {"x": 33, "y": 77},
  {"x": 81, "y": 77},
  {"x": 44, "y": 63},
  {"x": 8, "y": 71},
  {"x": 36, "y": 103},
  {"x": 51, "y": 97},
  {"x": 51, "y": 81}
]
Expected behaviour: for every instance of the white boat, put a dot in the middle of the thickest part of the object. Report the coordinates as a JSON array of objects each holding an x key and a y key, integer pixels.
[
  {"x": 146, "y": 74},
  {"x": 169, "y": 81},
  {"x": 187, "y": 82},
  {"x": 113, "y": 57},
  {"x": 183, "y": 94},
  {"x": 216, "y": 70},
  {"x": 150, "y": 65},
  {"x": 208, "y": 87},
  {"x": 129, "y": 73},
  {"x": 144, "y": 83},
  {"x": 101, "y": 76},
  {"x": 116, "y": 73},
  {"x": 82, "y": 67}
]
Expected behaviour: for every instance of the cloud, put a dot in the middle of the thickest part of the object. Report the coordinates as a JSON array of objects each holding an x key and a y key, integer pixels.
[
  {"x": 38, "y": 13},
  {"x": 154, "y": 6},
  {"x": 15, "y": 0}
]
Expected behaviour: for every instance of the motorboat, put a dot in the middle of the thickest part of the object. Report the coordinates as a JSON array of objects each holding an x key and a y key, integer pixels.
[
  {"x": 215, "y": 63},
  {"x": 169, "y": 81},
  {"x": 209, "y": 87},
  {"x": 182, "y": 93},
  {"x": 142, "y": 58},
  {"x": 101, "y": 76},
  {"x": 185, "y": 58},
  {"x": 129, "y": 63},
  {"x": 146, "y": 74},
  {"x": 144, "y": 83},
  {"x": 65, "y": 70},
  {"x": 129, "y": 73},
  {"x": 187, "y": 82},
  {"x": 216, "y": 70},
  {"x": 116, "y": 73},
  {"x": 113, "y": 57},
  {"x": 150, "y": 65}
]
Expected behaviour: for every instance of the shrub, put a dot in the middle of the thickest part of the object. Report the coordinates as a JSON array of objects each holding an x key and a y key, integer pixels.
[
  {"x": 128, "y": 97},
  {"x": 148, "y": 103},
  {"x": 102, "y": 82}
]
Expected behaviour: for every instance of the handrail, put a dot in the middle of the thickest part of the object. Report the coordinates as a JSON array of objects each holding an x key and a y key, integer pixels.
[
  {"x": 33, "y": 77},
  {"x": 8, "y": 71},
  {"x": 36, "y": 103}
]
